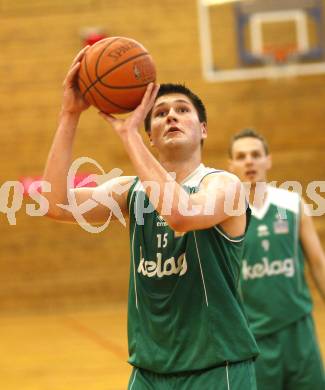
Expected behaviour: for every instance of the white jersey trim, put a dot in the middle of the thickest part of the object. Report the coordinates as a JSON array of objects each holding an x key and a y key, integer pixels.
[
  {"x": 131, "y": 196},
  {"x": 134, "y": 275},
  {"x": 192, "y": 175},
  {"x": 196, "y": 177},
  {"x": 202, "y": 276},
  {"x": 279, "y": 197},
  {"x": 227, "y": 237},
  {"x": 228, "y": 384},
  {"x": 193, "y": 179},
  {"x": 133, "y": 380}
]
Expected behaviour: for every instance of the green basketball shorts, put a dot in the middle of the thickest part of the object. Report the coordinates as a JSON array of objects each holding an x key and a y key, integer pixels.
[
  {"x": 234, "y": 376},
  {"x": 290, "y": 359}
]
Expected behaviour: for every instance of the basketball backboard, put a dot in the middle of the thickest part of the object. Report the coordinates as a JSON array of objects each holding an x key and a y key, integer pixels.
[{"x": 255, "y": 39}]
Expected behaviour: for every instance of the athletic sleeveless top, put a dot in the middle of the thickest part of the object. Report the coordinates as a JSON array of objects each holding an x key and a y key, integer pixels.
[
  {"x": 273, "y": 285},
  {"x": 184, "y": 310}
]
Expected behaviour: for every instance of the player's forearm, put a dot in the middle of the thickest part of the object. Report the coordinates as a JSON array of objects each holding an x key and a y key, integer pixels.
[
  {"x": 319, "y": 277},
  {"x": 59, "y": 161},
  {"x": 313, "y": 250}
]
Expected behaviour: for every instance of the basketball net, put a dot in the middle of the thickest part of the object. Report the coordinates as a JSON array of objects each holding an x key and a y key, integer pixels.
[{"x": 278, "y": 58}]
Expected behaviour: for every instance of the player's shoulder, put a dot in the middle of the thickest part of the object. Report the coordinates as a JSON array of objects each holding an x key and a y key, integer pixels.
[
  {"x": 283, "y": 198},
  {"x": 219, "y": 176},
  {"x": 117, "y": 187},
  {"x": 116, "y": 181}
]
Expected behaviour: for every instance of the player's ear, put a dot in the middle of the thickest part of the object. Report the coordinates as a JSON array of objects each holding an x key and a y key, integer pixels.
[
  {"x": 230, "y": 165},
  {"x": 269, "y": 162},
  {"x": 230, "y": 161},
  {"x": 204, "y": 130}
]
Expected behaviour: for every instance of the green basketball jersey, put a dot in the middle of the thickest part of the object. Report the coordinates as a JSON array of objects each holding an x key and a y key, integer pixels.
[
  {"x": 273, "y": 285},
  {"x": 184, "y": 310}
]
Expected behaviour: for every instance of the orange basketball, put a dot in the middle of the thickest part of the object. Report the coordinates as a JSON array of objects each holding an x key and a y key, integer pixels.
[{"x": 114, "y": 74}]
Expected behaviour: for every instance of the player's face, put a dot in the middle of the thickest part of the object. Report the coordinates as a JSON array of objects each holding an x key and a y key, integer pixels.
[
  {"x": 175, "y": 122},
  {"x": 249, "y": 160}
]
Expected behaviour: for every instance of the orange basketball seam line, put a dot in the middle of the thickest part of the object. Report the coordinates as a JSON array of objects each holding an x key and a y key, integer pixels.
[
  {"x": 86, "y": 69},
  {"x": 112, "y": 69},
  {"x": 100, "y": 56},
  {"x": 104, "y": 97},
  {"x": 110, "y": 101},
  {"x": 91, "y": 95},
  {"x": 86, "y": 64},
  {"x": 124, "y": 87}
]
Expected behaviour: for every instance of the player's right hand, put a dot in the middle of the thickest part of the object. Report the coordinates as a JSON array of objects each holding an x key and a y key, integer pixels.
[
  {"x": 132, "y": 123},
  {"x": 72, "y": 101}
]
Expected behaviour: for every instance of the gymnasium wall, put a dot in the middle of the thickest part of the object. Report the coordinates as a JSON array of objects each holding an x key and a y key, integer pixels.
[{"x": 46, "y": 265}]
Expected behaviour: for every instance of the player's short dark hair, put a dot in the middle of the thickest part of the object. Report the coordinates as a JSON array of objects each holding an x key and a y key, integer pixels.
[
  {"x": 248, "y": 133},
  {"x": 168, "y": 88}
]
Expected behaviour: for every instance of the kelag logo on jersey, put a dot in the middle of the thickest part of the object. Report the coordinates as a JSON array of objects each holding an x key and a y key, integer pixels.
[
  {"x": 161, "y": 267},
  {"x": 267, "y": 269}
]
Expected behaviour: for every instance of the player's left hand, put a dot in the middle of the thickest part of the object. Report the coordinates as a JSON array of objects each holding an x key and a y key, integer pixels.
[
  {"x": 73, "y": 101},
  {"x": 124, "y": 127}
]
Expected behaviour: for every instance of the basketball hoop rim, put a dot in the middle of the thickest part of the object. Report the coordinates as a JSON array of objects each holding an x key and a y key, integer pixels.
[{"x": 280, "y": 53}]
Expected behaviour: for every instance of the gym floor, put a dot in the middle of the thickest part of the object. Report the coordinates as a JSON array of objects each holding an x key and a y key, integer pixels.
[{"x": 84, "y": 350}]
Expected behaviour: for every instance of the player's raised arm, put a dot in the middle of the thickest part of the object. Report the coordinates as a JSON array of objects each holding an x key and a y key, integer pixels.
[
  {"x": 59, "y": 161},
  {"x": 313, "y": 251},
  {"x": 59, "y": 158}
]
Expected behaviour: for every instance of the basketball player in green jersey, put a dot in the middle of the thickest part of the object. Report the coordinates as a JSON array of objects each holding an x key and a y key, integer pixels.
[
  {"x": 186, "y": 326},
  {"x": 274, "y": 289}
]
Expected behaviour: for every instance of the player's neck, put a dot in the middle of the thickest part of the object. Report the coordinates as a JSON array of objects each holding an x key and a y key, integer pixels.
[
  {"x": 258, "y": 194},
  {"x": 182, "y": 168}
]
